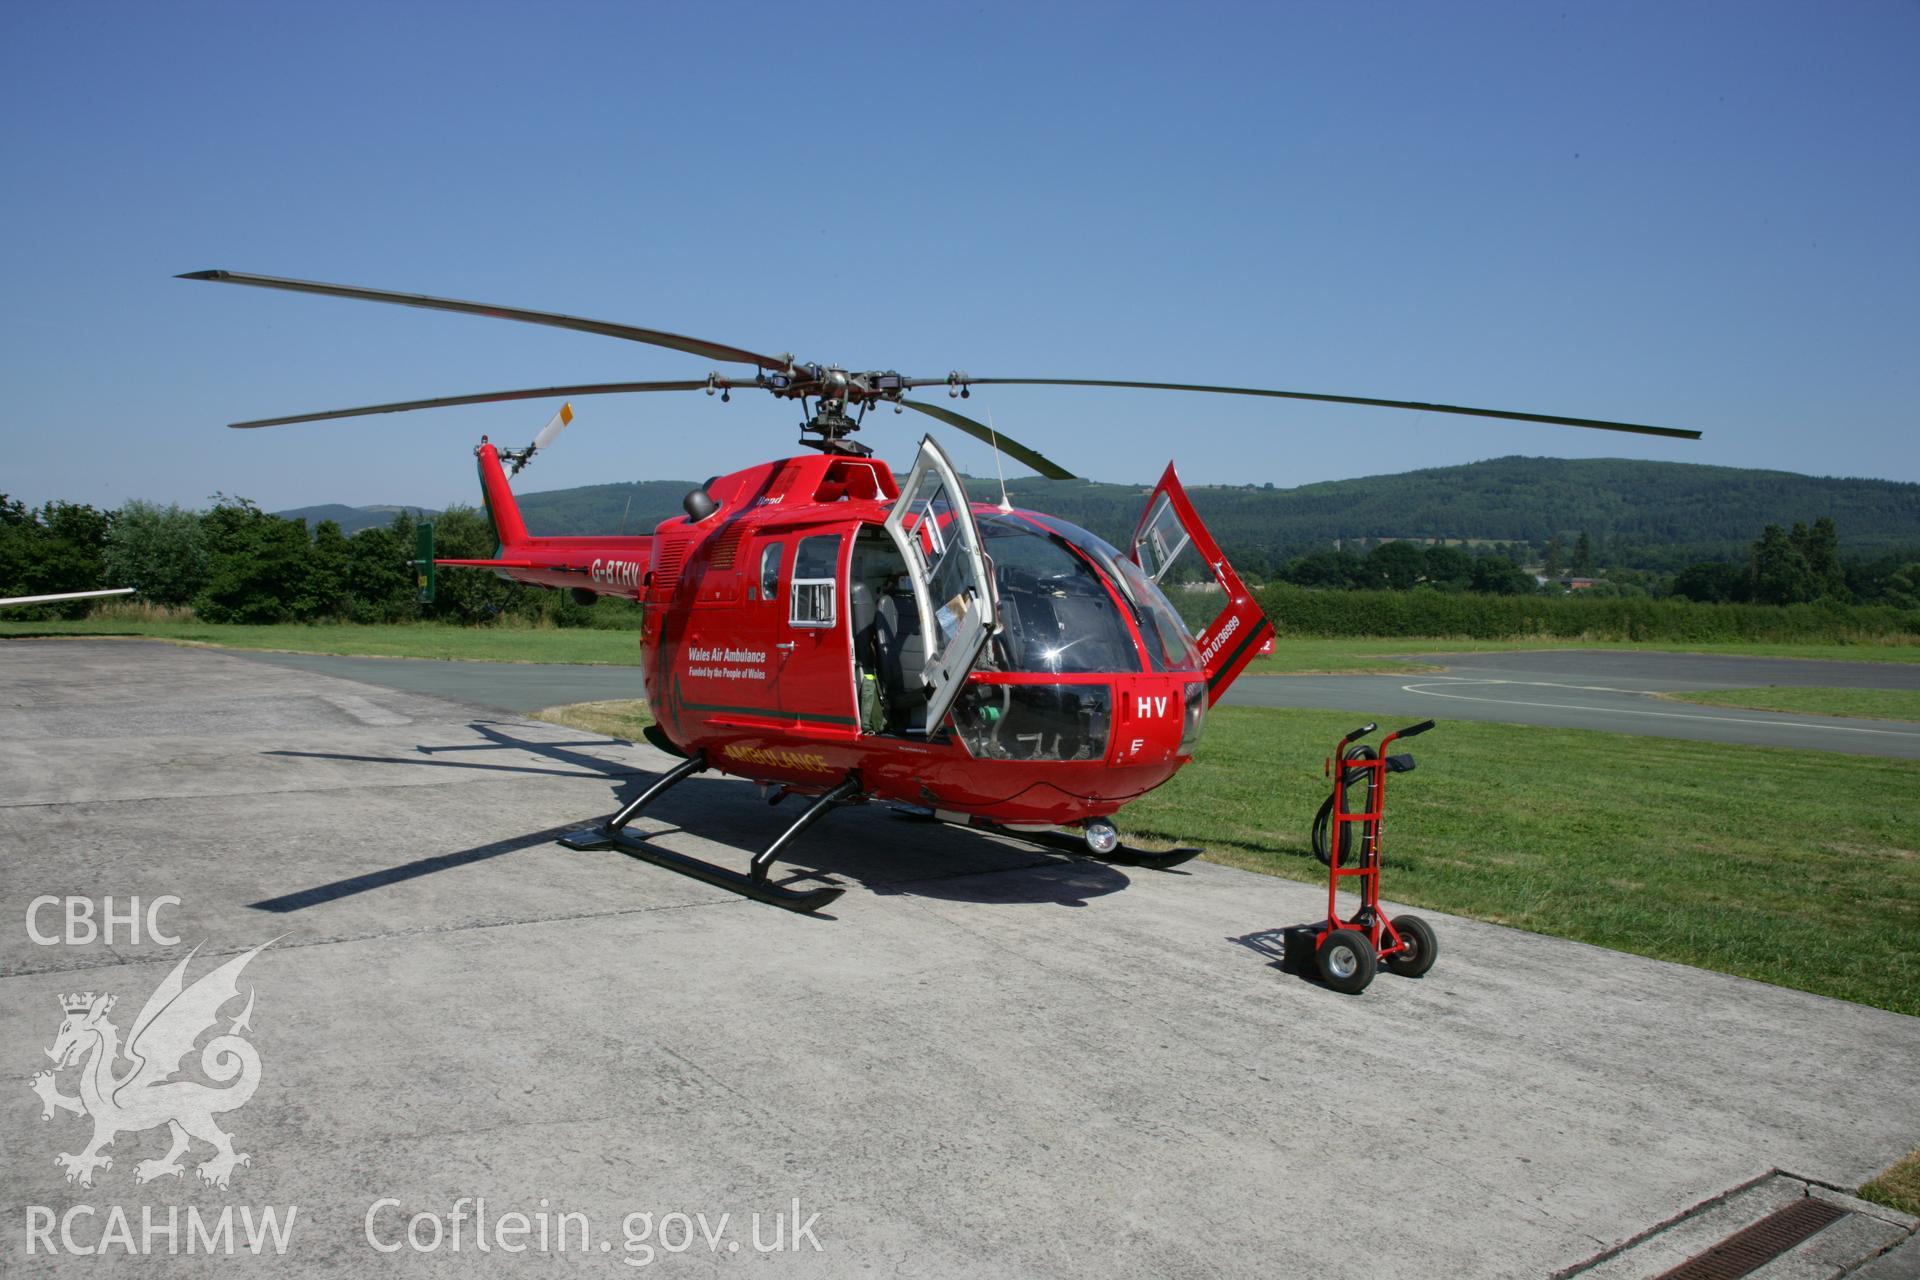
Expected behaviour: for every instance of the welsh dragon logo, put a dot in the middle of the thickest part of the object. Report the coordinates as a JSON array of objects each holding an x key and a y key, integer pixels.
[{"x": 145, "y": 1095}]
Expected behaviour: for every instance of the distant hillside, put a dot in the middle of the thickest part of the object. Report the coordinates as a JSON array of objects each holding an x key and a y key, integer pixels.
[
  {"x": 350, "y": 519},
  {"x": 604, "y": 508},
  {"x": 1656, "y": 515},
  {"x": 1642, "y": 514}
]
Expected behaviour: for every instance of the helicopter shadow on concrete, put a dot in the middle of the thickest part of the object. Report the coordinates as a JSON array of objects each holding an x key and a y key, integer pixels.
[
  {"x": 894, "y": 855},
  {"x": 866, "y": 844}
]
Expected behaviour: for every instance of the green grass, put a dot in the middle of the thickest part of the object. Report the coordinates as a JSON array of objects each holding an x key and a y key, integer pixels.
[
  {"x": 508, "y": 642},
  {"x": 1311, "y": 655},
  {"x": 1865, "y": 704},
  {"x": 1794, "y": 867},
  {"x": 1899, "y": 1187},
  {"x": 502, "y": 643},
  {"x": 619, "y": 718}
]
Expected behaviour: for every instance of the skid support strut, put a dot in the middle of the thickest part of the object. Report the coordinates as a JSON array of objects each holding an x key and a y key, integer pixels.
[
  {"x": 603, "y": 836},
  {"x": 815, "y": 811},
  {"x": 755, "y": 884}
]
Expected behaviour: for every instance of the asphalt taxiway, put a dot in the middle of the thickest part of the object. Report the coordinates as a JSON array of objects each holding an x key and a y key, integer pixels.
[
  {"x": 989, "y": 1061},
  {"x": 1612, "y": 691}
]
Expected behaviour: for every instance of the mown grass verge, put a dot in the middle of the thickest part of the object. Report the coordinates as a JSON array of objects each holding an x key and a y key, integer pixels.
[
  {"x": 1362, "y": 655},
  {"x": 508, "y": 641},
  {"x": 501, "y": 642},
  {"x": 1794, "y": 867},
  {"x": 1899, "y": 1187},
  {"x": 622, "y": 718}
]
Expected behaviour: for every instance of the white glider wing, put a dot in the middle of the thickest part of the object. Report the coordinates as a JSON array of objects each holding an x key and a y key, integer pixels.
[{"x": 70, "y": 595}]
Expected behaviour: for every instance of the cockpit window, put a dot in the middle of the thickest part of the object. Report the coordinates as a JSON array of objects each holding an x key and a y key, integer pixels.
[
  {"x": 1170, "y": 645},
  {"x": 1058, "y": 614}
]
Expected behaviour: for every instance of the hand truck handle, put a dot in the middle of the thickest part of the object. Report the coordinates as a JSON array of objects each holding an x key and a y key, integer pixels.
[{"x": 1361, "y": 732}]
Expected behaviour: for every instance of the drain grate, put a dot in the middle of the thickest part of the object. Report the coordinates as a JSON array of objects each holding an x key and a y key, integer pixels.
[{"x": 1752, "y": 1247}]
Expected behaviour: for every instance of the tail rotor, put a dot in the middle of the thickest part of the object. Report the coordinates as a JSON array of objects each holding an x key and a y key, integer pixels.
[{"x": 548, "y": 434}]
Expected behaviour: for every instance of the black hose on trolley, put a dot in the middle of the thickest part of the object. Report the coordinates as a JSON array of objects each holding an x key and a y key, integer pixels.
[{"x": 1349, "y": 775}]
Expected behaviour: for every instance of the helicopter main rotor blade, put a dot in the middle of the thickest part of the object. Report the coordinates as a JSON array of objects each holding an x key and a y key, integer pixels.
[
  {"x": 987, "y": 435},
  {"x": 632, "y": 333},
  {"x": 1598, "y": 424},
  {"x": 485, "y": 397}
]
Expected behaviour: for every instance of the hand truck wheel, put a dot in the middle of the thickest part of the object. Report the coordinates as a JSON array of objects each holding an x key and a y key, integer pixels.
[
  {"x": 1346, "y": 961},
  {"x": 1421, "y": 947}
]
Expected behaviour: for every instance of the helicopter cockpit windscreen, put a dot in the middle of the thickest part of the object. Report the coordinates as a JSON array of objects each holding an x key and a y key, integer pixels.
[
  {"x": 1168, "y": 637},
  {"x": 1057, "y": 613},
  {"x": 1065, "y": 598}
]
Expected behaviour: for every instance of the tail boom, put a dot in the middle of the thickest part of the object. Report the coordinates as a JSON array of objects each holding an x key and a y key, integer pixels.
[{"x": 607, "y": 566}]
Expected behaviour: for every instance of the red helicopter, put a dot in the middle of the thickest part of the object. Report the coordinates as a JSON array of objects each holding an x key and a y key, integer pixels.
[{"x": 817, "y": 627}]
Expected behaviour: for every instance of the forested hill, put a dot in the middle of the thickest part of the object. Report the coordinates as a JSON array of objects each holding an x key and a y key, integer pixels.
[
  {"x": 1655, "y": 515},
  {"x": 1531, "y": 499},
  {"x": 351, "y": 519},
  {"x": 1645, "y": 514}
]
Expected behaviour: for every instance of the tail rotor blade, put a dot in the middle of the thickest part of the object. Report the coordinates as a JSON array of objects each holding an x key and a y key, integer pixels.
[{"x": 555, "y": 425}]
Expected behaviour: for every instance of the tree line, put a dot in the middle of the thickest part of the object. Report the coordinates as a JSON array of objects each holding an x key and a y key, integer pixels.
[
  {"x": 1801, "y": 565},
  {"x": 234, "y": 562},
  {"x": 1797, "y": 565}
]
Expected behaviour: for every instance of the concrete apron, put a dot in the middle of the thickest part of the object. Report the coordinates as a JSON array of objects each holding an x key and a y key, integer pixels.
[{"x": 989, "y": 1061}]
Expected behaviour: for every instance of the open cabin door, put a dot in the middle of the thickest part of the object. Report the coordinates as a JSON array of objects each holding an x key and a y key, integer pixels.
[
  {"x": 1174, "y": 549},
  {"x": 933, "y": 526}
]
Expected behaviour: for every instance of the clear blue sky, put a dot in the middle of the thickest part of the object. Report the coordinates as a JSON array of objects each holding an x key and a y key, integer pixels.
[{"x": 1697, "y": 214}]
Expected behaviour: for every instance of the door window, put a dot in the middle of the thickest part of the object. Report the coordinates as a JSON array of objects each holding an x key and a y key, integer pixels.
[
  {"x": 933, "y": 526},
  {"x": 815, "y": 566},
  {"x": 1179, "y": 575}
]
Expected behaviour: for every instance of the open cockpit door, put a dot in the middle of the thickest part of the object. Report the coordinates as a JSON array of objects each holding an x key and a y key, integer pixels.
[
  {"x": 933, "y": 526},
  {"x": 1174, "y": 549}
]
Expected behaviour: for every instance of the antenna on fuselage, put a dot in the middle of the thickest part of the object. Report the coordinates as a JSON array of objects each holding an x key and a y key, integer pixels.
[{"x": 993, "y": 438}]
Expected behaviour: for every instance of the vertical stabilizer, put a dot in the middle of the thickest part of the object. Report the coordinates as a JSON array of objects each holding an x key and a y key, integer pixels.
[{"x": 502, "y": 510}]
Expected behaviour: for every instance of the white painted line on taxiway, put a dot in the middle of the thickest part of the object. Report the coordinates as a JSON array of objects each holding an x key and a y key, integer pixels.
[{"x": 1457, "y": 681}]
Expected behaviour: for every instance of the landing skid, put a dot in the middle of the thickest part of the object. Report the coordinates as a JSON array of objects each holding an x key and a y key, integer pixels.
[
  {"x": 742, "y": 883},
  {"x": 753, "y": 883},
  {"x": 1120, "y": 855}
]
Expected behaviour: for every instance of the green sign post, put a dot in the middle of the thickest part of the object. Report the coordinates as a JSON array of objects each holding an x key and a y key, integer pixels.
[{"x": 423, "y": 576}]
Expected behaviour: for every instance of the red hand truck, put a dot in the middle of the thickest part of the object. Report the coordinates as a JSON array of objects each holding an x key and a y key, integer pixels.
[{"x": 1347, "y": 952}]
